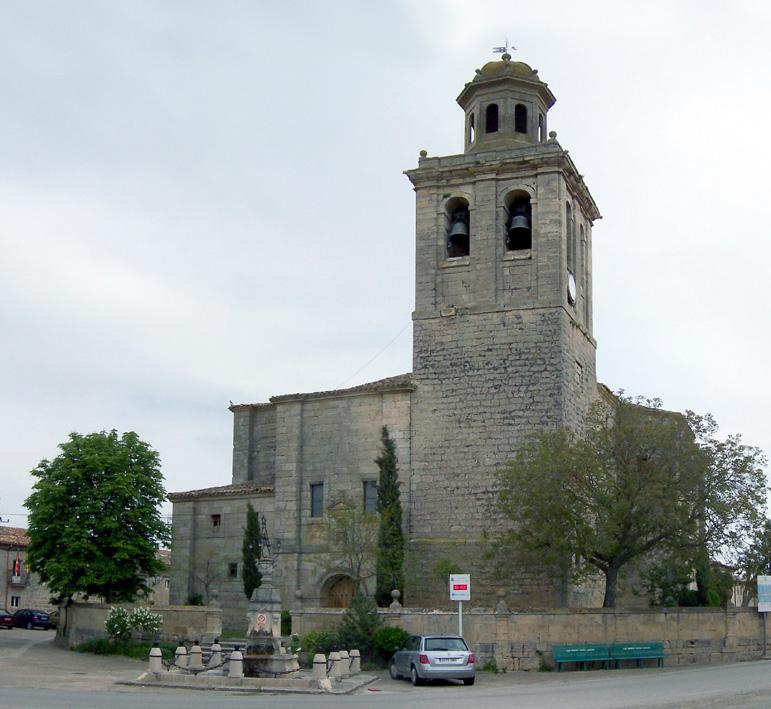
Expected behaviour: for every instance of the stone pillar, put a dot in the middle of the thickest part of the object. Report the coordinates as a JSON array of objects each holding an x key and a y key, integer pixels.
[
  {"x": 156, "y": 659},
  {"x": 345, "y": 664},
  {"x": 195, "y": 658},
  {"x": 319, "y": 666},
  {"x": 355, "y": 662},
  {"x": 236, "y": 664},
  {"x": 334, "y": 672},
  {"x": 180, "y": 657},
  {"x": 216, "y": 653}
]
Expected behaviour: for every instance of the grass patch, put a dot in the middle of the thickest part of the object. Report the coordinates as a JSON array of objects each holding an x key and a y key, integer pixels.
[{"x": 129, "y": 648}]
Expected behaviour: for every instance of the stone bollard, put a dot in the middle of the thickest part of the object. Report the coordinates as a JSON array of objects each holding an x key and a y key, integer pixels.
[
  {"x": 334, "y": 671},
  {"x": 156, "y": 659},
  {"x": 319, "y": 666},
  {"x": 355, "y": 662},
  {"x": 180, "y": 657},
  {"x": 236, "y": 664},
  {"x": 195, "y": 657},
  {"x": 216, "y": 654},
  {"x": 345, "y": 664}
]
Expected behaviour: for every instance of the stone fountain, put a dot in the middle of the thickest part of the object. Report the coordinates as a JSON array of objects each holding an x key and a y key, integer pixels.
[{"x": 264, "y": 655}]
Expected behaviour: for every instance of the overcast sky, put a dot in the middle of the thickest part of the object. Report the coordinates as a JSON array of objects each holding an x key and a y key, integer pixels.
[{"x": 204, "y": 201}]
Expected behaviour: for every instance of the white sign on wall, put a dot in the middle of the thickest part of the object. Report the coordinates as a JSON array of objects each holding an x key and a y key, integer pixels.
[
  {"x": 764, "y": 594},
  {"x": 460, "y": 587}
]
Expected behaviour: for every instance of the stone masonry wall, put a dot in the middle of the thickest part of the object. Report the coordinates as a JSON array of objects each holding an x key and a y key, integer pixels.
[
  {"x": 523, "y": 641},
  {"x": 203, "y": 553},
  {"x": 334, "y": 441}
]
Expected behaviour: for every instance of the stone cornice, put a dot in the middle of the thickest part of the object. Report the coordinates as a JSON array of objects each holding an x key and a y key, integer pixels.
[{"x": 499, "y": 164}]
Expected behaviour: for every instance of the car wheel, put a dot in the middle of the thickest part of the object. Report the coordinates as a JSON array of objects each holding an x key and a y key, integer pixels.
[
  {"x": 392, "y": 670},
  {"x": 415, "y": 677},
  {"x": 29, "y": 626},
  {"x": 468, "y": 680}
]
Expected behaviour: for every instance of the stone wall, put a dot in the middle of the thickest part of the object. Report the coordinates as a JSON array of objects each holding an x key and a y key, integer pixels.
[
  {"x": 85, "y": 621},
  {"x": 203, "y": 555},
  {"x": 523, "y": 641}
]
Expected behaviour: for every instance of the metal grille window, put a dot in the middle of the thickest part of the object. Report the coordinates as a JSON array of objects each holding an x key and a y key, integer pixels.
[
  {"x": 370, "y": 496},
  {"x": 317, "y": 499}
]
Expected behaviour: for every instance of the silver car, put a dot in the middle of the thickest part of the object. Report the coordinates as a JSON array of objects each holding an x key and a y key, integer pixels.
[{"x": 425, "y": 657}]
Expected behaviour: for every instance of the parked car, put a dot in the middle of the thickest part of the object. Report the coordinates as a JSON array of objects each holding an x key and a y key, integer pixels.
[
  {"x": 30, "y": 618},
  {"x": 6, "y": 619},
  {"x": 426, "y": 657}
]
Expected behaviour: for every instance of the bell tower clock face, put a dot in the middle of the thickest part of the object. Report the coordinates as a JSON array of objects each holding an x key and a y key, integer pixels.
[{"x": 571, "y": 288}]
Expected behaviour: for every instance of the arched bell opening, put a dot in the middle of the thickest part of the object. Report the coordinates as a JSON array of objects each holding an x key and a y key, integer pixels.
[
  {"x": 520, "y": 118},
  {"x": 337, "y": 591},
  {"x": 519, "y": 221},
  {"x": 458, "y": 222},
  {"x": 491, "y": 118}
]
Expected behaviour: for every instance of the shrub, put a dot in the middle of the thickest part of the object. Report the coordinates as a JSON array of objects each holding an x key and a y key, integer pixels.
[
  {"x": 317, "y": 641},
  {"x": 121, "y": 621},
  {"x": 118, "y": 623},
  {"x": 386, "y": 641},
  {"x": 146, "y": 621},
  {"x": 286, "y": 622},
  {"x": 359, "y": 624},
  {"x": 137, "y": 650},
  {"x": 195, "y": 599}
]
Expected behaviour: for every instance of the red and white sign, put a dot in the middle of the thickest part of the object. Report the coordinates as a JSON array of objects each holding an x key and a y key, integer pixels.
[{"x": 460, "y": 587}]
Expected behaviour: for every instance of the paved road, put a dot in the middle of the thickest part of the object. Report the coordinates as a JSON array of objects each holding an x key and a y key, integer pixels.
[{"x": 35, "y": 673}]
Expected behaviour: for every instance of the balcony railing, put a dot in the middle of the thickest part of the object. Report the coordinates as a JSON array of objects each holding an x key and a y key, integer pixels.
[{"x": 21, "y": 579}]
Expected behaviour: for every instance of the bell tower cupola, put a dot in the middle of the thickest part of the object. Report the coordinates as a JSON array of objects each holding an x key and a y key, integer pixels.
[{"x": 506, "y": 106}]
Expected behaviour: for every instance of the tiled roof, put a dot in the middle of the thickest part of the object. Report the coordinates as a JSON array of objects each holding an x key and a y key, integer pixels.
[
  {"x": 401, "y": 382},
  {"x": 13, "y": 537},
  {"x": 222, "y": 491}
]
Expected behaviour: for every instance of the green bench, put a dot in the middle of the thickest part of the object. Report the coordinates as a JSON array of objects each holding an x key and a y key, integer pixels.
[
  {"x": 581, "y": 654},
  {"x": 638, "y": 652}
]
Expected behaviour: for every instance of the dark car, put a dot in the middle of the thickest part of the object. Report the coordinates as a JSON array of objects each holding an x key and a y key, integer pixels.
[
  {"x": 6, "y": 619},
  {"x": 426, "y": 657},
  {"x": 30, "y": 618}
]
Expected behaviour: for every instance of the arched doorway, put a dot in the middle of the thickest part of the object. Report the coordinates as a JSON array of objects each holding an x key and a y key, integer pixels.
[{"x": 337, "y": 592}]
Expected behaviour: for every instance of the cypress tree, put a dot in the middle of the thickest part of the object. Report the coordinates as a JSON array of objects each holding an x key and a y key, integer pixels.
[
  {"x": 390, "y": 551},
  {"x": 251, "y": 552}
]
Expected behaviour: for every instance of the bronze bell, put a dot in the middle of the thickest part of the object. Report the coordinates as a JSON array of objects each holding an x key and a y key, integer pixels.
[
  {"x": 458, "y": 229},
  {"x": 519, "y": 225}
]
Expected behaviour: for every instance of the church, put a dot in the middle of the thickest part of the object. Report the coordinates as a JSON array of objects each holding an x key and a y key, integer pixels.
[{"x": 502, "y": 348}]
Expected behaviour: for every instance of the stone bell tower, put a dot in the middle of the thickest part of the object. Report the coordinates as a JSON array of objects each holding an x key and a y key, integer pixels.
[{"x": 502, "y": 324}]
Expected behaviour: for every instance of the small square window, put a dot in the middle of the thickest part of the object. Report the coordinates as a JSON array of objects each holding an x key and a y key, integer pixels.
[
  {"x": 317, "y": 499},
  {"x": 370, "y": 496},
  {"x": 216, "y": 520},
  {"x": 233, "y": 570},
  {"x": 15, "y": 601}
]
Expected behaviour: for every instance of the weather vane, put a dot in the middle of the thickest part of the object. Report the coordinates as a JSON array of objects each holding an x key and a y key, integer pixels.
[{"x": 504, "y": 49}]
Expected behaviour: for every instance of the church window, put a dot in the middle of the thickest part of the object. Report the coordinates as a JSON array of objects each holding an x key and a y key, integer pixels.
[
  {"x": 370, "y": 496},
  {"x": 519, "y": 222},
  {"x": 584, "y": 273},
  {"x": 216, "y": 521},
  {"x": 233, "y": 570},
  {"x": 317, "y": 499},
  {"x": 491, "y": 118},
  {"x": 167, "y": 583},
  {"x": 520, "y": 118},
  {"x": 458, "y": 220},
  {"x": 571, "y": 239},
  {"x": 540, "y": 128},
  {"x": 471, "y": 129}
]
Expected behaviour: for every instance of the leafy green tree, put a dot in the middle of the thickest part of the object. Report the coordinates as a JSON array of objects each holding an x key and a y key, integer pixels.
[
  {"x": 351, "y": 535},
  {"x": 640, "y": 481},
  {"x": 390, "y": 543},
  {"x": 94, "y": 517},
  {"x": 754, "y": 561},
  {"x": 251, "y": 552}
]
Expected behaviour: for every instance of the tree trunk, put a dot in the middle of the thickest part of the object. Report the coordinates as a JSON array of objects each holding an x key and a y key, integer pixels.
[{"x": 611, "y": 583}]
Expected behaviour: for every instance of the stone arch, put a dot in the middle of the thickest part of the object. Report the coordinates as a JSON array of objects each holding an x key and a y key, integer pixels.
[{"x": 337, "y": 591}]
